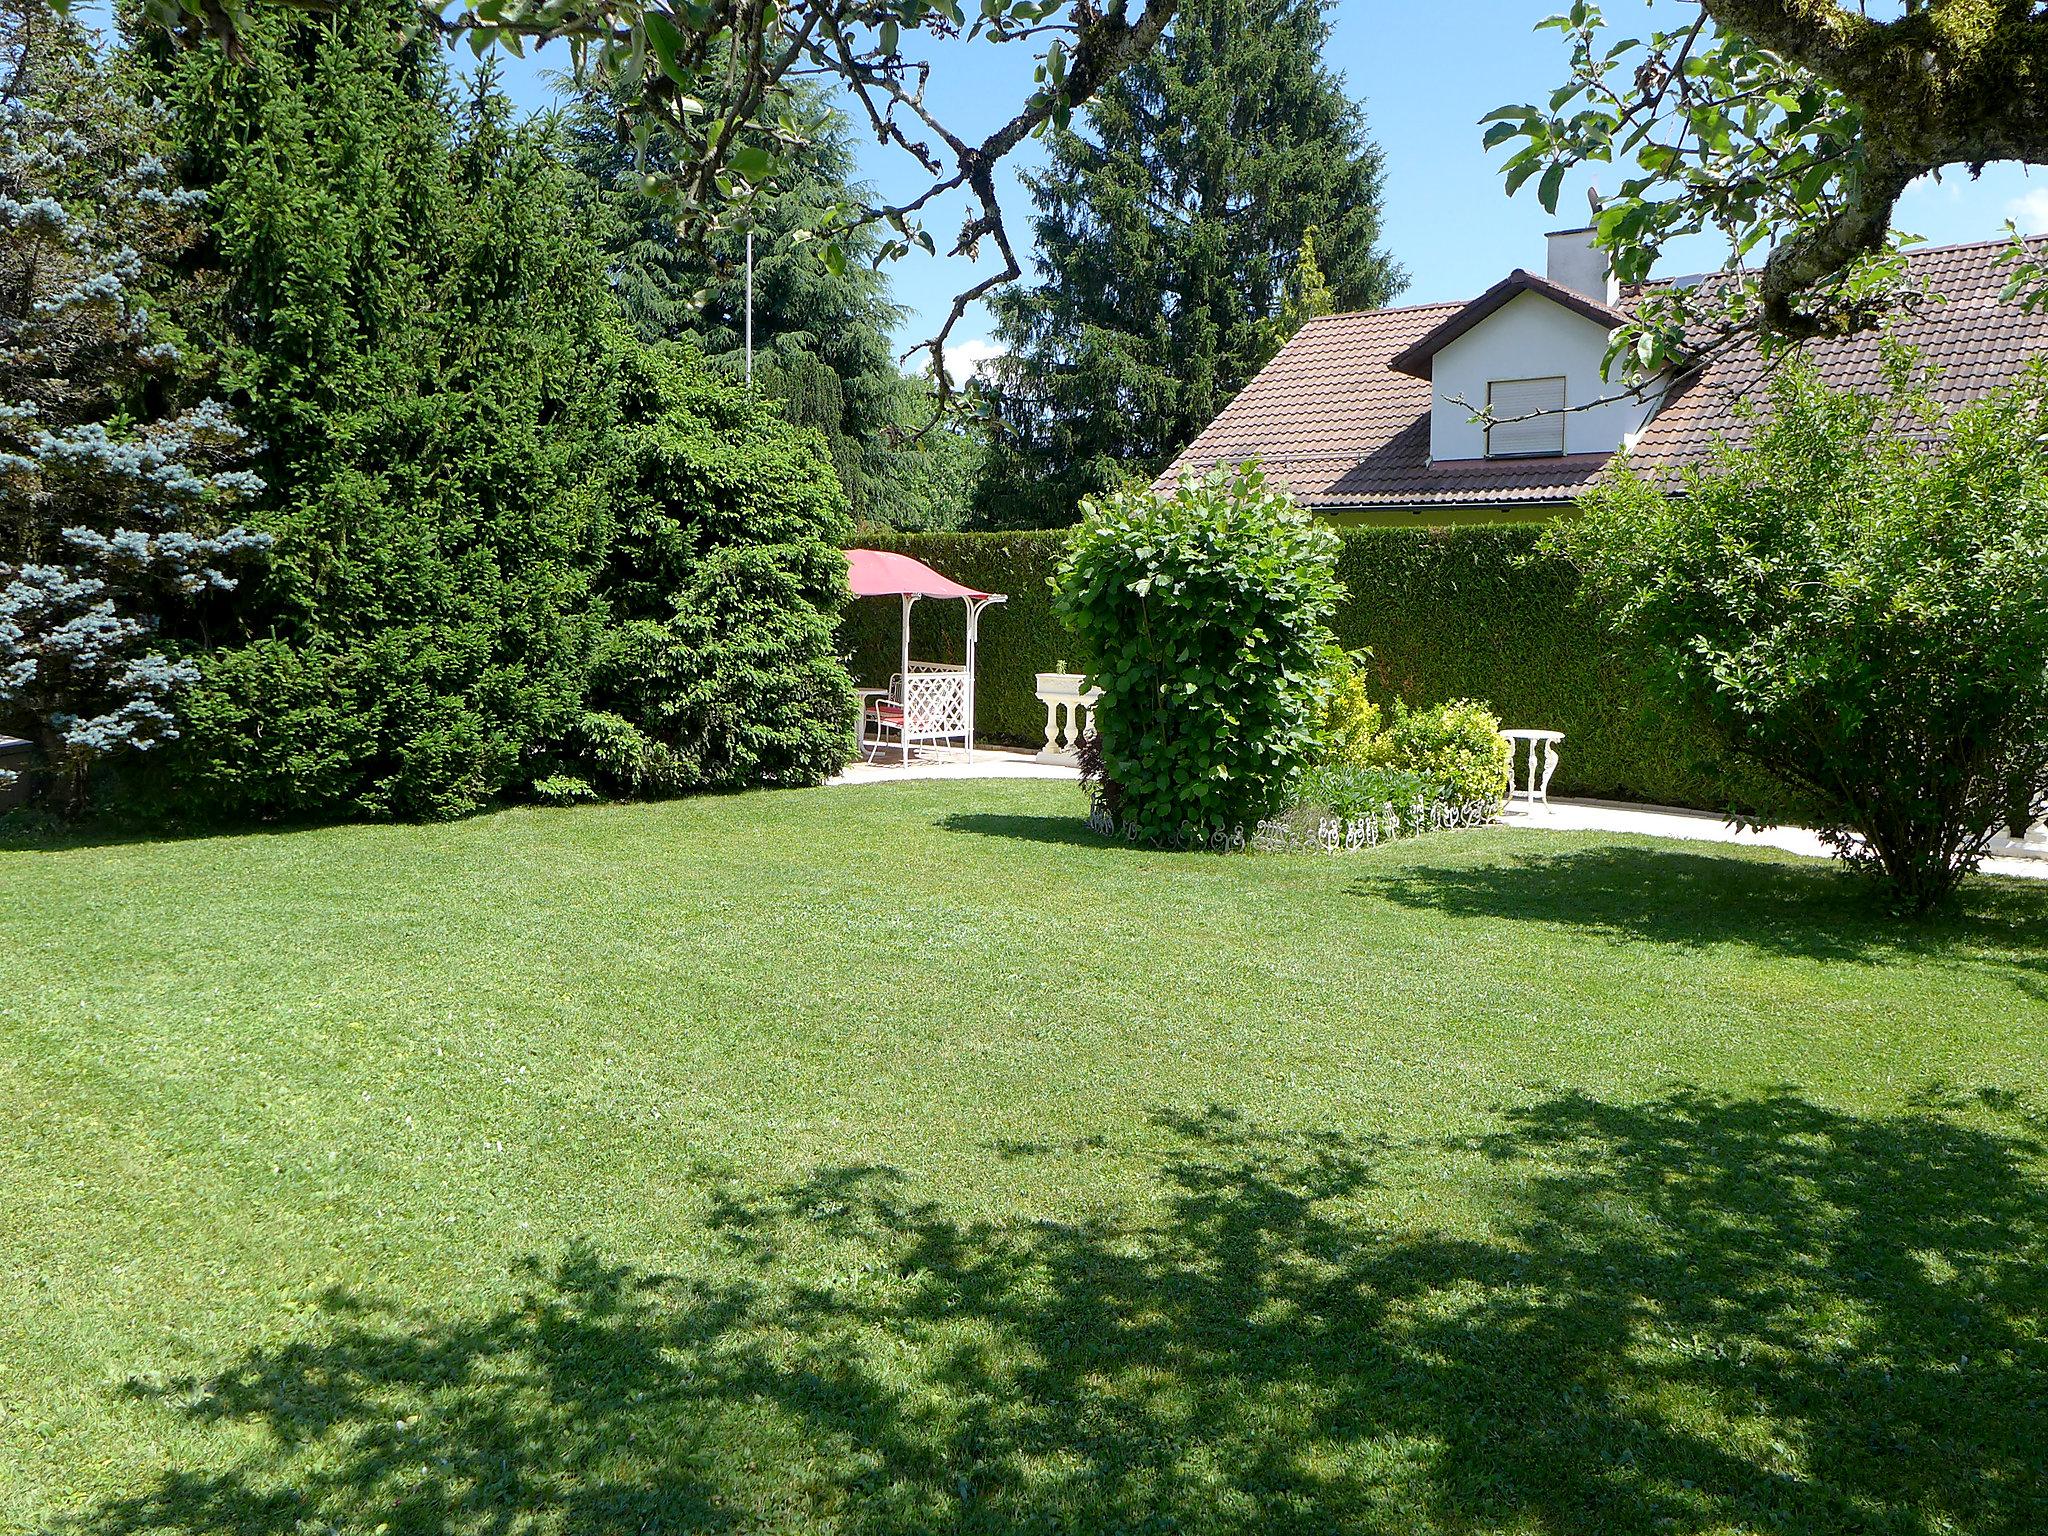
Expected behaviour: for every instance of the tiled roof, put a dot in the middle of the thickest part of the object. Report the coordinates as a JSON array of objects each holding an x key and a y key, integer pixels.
[
  {"x": 1334, "y": 422},
  {"x": 1969, "y": 340}
]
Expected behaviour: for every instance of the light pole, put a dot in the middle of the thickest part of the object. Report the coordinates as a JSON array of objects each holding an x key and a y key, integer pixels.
[{"x": 750, "y": 307}]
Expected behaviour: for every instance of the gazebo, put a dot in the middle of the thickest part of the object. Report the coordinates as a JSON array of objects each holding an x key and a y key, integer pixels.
[{"x": 927, "y": 701}]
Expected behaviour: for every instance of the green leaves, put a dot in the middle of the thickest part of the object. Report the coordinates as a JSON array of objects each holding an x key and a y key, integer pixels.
[
  {"x": 1712, "y": 135},
  {"x": 667, "y": 41},
  {"x": 753, "y": 162},
  {"x": 1205, "y": 614},
  {"x": 1857, "y": 600}
]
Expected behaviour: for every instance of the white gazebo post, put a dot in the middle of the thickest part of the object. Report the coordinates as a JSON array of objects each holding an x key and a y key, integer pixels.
[
  {"x": 908, "y": 599},
  {"x": 974, "y": 611}
]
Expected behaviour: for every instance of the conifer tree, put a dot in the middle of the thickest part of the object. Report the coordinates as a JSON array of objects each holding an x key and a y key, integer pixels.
[
  {"x": 119, "y": 485},
  {"x": 1169, "y": 223},
  {"x": 414, "y": 320},
  {"x": 822, "y": 333}
]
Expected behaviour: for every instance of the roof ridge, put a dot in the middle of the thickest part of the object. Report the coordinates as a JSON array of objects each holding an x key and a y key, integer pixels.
[
  {"x": 1909, "y": 252},
  {"x": 1387, "y": 309},
  {"x": 1647, "y": 284}
]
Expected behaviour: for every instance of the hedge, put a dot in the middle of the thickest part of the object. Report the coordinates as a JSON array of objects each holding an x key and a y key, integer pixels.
[
  {"x": 1460, "y": 612},
  {"x": 1478, "y": 613}
]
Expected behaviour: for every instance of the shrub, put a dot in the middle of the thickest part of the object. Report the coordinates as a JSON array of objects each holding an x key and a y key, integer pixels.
[
  {"x": 1430, "y": 614},
  {"x": 1347, "y": 719},
  {"x": 1856, "y": 601},
  {"x": 1352, "y": 790},
  {"x": 1456, "y": 748},
  {"x": 563, "y": 789},
  {"x": 1203, "y": 615},
  {"x": 625, "y": 759},
  {"x": 724, "y": 579},
  {"x": 1485, "y": 613}
]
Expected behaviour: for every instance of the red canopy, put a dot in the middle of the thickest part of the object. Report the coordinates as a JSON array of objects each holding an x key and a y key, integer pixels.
[{"x": 882, "y": 573}]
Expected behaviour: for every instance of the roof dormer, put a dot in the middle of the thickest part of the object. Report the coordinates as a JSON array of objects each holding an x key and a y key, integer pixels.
[{"x": 1521, "y": 372}]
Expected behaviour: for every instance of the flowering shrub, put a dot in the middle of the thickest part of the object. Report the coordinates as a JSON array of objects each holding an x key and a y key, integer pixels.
[{"x": 1204, "y": 615}]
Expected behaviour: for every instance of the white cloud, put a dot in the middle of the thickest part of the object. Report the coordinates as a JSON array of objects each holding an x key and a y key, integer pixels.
[
  {"x": 2030, "y": 211},
  {"x": 969, "y": 359}
]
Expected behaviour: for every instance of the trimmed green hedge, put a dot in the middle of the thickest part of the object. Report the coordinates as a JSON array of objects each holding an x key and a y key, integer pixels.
[
  {"x": 1479, "y": 613},
  {"x": 1463, "y": 612}
]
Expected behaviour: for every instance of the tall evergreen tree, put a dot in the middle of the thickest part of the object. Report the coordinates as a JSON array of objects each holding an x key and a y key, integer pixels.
[
  {"x": 119, "y": 481},
  {"x": 821, "y": 333},
  {"x": 412, "y": 321},
  {"x": 1168, "y": 225}
]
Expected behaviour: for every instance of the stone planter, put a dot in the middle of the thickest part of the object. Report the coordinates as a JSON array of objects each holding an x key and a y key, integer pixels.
[{"x": 1069, "y": 715}]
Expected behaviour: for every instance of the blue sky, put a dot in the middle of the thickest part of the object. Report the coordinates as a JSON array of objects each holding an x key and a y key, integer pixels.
[{"x": 1426, "y": 72}]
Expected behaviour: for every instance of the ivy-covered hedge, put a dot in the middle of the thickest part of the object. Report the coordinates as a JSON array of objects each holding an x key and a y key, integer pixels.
[{"x": 1469, "y": 612}]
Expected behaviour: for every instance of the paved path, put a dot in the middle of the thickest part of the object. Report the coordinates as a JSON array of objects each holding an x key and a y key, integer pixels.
[
  {"x": 1705, "y": 827},
  {"x": 951, "y": 763},
  {"x": 1560, "y": 815}
]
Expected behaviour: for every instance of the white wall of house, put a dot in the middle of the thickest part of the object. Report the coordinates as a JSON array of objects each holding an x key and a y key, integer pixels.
[{"x": 1530, "y": 337}]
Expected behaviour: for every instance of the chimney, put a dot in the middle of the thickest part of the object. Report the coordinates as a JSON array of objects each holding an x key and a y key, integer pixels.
[{"x": 1580, "y": 265}]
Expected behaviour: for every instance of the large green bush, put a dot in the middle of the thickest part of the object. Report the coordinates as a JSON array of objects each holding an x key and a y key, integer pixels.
[
  {"x": 723, "y": 580},
  {"x": 1202, "y": 617},
  {"x": 396, "y": 292},
  {"x": 1857, "y": 600},
  {"x": 1483, "y": 613}
]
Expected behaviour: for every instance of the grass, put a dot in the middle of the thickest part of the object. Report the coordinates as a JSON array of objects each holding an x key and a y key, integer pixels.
[{"x": 903, "y": 1159}]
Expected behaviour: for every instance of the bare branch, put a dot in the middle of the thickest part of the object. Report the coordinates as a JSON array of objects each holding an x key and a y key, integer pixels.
[{"x": 666, "y": 59}]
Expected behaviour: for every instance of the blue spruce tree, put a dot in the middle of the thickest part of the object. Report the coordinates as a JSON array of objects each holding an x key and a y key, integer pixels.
[{"x": 116, "y": 490}]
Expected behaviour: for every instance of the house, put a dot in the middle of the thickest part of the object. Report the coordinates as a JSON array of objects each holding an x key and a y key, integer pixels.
[{"x": 1370, "y": 417}]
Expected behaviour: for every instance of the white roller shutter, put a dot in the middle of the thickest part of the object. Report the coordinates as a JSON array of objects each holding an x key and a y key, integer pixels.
[{"x": 1540, "y": 404}]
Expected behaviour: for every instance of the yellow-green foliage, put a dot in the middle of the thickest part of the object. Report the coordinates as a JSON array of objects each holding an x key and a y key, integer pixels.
[
  {"x": 1348, "y": 720},
  {"x": 1457, "y": 747}
]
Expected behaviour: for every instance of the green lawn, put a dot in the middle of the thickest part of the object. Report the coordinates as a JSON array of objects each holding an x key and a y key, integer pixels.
[{"x": 902, "y": 1159}]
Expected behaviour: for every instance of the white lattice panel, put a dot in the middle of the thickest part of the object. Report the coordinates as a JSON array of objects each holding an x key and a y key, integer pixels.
[{"x": 935, "y": 706}]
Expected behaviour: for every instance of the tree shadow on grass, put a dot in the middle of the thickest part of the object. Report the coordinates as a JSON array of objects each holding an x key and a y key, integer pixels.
[
  {"x": 1697, "y": 1313},
  {"x": 1803, "y": 908},
  {"x": 1072, "y": 830}
]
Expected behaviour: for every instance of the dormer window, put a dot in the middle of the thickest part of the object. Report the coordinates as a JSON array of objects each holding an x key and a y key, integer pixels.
[{"x": 1525, "y": 418}]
